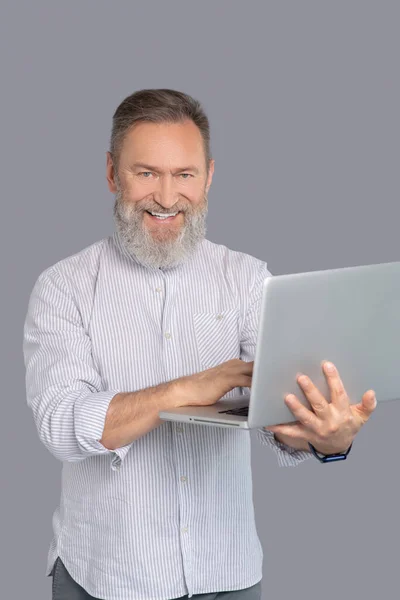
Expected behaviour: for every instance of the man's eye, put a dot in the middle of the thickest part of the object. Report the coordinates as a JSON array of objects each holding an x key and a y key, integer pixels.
[{"x": 145, "y": 174}]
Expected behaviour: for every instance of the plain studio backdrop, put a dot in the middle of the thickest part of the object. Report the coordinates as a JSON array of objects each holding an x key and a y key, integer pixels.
[{"x": 303, "y": 101}]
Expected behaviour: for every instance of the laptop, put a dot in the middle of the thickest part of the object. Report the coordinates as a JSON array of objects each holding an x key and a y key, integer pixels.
[{"x": 350, "y": 316}]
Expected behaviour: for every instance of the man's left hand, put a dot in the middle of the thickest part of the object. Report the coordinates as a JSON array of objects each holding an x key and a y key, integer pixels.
[{"x": 331, "y": 426}]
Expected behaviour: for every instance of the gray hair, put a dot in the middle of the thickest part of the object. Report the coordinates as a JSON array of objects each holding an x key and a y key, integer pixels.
[{"x": 157, "y": 106}]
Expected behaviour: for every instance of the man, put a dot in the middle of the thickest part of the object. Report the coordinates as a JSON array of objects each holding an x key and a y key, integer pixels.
[{"x": 157, "y": 316}]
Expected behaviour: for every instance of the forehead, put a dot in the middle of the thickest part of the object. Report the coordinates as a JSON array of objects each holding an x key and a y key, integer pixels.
[{"x": 163, "y": 142}]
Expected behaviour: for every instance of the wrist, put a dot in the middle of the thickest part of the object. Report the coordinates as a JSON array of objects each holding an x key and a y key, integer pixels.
[
  {"x": 174, "y": 394},
  {"x": 329, "y": 451}
]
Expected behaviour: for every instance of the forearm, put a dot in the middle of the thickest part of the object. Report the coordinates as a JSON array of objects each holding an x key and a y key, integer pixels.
[{"x": 131, "y": 415}]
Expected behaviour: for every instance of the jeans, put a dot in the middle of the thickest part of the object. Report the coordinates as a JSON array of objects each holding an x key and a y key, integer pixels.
[{"x": 65, "y": 588}]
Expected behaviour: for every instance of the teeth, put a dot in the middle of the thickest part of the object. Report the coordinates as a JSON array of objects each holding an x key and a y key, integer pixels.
[{"x": 164, "y": 216}]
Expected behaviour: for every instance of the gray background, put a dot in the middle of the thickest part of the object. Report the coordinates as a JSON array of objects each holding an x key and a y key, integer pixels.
[{"x": 303, "y": 100}]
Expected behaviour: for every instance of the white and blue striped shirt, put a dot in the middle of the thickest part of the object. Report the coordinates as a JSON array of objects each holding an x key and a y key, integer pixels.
[{"x": 171, "y": 513}]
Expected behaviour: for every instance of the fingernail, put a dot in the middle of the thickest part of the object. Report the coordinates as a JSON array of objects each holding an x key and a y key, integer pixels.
[{"x": 329, "y": 367}]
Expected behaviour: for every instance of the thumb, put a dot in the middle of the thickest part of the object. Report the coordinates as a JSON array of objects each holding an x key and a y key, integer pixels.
[{"x": 367, "y": 405}]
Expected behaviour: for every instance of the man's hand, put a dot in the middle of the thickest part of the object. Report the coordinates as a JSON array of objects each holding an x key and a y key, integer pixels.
[
  {"x": 331, "y": 426},
  {"x": 207, "y": 387}
]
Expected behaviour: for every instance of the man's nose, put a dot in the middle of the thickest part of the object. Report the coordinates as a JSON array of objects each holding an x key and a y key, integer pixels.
[{"x": 165, "y": 194}]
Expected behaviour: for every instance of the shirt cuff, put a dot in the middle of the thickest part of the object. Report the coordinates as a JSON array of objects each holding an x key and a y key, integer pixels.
[
  {"x": 287, "y": 456},
  {"x": 90, "y": 416}
]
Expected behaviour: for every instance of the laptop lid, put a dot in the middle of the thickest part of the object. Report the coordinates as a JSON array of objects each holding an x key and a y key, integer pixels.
[{"x": 350, "y": 316}]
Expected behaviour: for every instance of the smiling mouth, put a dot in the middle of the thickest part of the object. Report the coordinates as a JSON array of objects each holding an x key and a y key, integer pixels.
[{"x": 162, "y": 219}]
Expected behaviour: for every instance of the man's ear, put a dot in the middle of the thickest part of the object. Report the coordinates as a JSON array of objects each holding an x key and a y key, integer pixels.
[
  {"x": 210, "y": 174},
  {"x": 110, "y": 173}
]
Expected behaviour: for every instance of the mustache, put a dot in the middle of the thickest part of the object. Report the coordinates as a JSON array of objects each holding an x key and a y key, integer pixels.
[
  {"x": 134, "y": 208},
  {"x": 128, "y": 210}
]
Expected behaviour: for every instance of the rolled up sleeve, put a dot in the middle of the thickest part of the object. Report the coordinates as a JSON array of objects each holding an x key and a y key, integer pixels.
[
  {"x": 63, "y": 387},
  {"x": 287, "y": 456}
]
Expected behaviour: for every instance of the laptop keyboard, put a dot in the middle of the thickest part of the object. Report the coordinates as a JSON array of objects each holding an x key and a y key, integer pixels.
[{"x": 243, "y": 411}]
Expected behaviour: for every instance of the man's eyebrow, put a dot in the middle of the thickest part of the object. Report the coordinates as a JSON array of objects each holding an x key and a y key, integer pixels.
[{"x": 140, "y": 165}]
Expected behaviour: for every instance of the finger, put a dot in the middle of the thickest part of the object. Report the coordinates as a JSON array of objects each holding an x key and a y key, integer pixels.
[
  {"x": 292, "y": 430},
  {"x": 366, "y": 407},
  {"x": 313, "y": 395},
  {"x": 248, "y": 369},
  {"x": 305, "y": 416},
  {"x": 339, "y": 395},
  {"x": 275, "y": 427}
]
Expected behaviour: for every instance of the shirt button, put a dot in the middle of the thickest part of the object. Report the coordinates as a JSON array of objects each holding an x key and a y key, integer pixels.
[
  {"x": 167, "y": 335},
  {"x": 158, "y": 289},
  {"x": 183, "y": 478},
  {"x": 219, "y": 317},
  {"x": 179, "y": 429},
  {"x": 184, "y": 529}
]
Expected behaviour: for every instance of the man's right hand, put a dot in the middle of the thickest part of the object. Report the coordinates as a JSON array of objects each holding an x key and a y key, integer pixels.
[{"x": 207, "y": 387}]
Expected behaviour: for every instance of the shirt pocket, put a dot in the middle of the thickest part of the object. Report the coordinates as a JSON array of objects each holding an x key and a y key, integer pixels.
[{"x": 217, "y": 336}]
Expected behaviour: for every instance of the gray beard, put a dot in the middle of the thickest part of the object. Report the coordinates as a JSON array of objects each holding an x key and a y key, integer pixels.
[{"x": 163, "y": 249}]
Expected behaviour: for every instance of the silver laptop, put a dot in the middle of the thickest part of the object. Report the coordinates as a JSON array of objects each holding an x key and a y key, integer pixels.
[{"x": 350, "y": 316}]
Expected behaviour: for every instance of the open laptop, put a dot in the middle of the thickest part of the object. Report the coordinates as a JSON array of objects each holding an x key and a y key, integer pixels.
[{"x": 350, "y": 316}]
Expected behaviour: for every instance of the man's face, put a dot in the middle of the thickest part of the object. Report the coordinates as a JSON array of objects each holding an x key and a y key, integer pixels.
[{"x": 162, "y": 169}]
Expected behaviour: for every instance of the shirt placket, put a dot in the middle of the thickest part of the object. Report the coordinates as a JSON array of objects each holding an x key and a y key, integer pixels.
[{"x": 167, "y": 288}]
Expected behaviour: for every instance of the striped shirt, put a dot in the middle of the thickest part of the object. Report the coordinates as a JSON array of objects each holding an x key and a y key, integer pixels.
[{"x": 171, "y": 513}]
